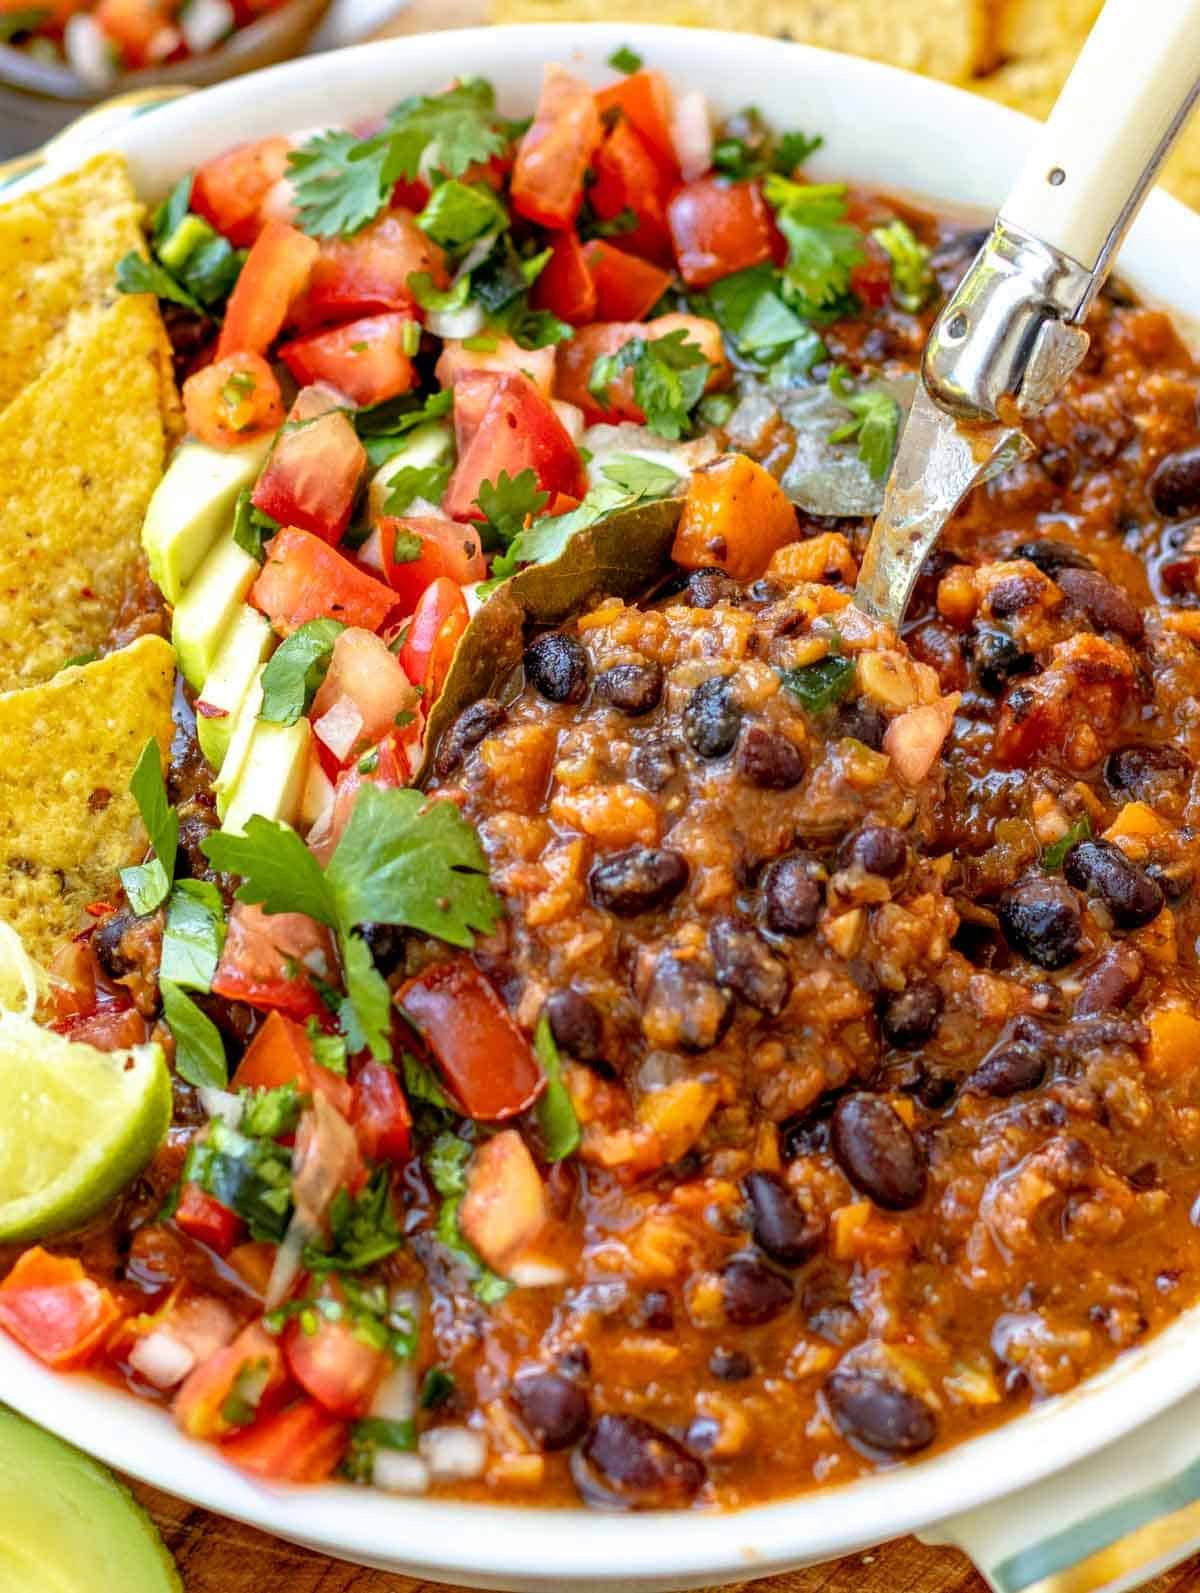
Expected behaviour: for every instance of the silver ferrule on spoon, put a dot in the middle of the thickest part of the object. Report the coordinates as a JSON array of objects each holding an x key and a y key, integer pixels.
[{"x": 1010, "y": 336}]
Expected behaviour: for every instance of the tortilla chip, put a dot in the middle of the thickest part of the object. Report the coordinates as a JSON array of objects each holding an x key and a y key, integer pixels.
[
  {"x": 81, "y": 451},
  {"x": 1044, "y": 27},
  {"x": 67, "y": 820}
]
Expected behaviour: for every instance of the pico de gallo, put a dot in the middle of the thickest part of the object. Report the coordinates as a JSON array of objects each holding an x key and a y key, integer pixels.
[{"x": 761, "y": 1035}]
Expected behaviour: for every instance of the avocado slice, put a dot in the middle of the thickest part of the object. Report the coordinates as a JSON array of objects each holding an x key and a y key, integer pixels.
[
  {"x": 244, "y": 721},
  {"x": 272, "y": 778},
  {"x": 192, "y": 505},
  {"x": 246, "y": 645},
  {"x": 67, "y": 1525},
  {"x": 427, "y": 444},
  {"x": 209, "y": 607}
]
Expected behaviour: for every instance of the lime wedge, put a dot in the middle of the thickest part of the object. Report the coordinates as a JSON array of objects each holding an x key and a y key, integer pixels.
[
  {"x": 76, "y": 1124},
  {"x": 67, "y": 1525}
]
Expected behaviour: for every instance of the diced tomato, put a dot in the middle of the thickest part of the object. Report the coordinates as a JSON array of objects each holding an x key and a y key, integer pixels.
[
  {"x": 206, "y": 1219},
  {"x": 333, "y": 1364},
  {"x": 229, "y": 191},
  {"x": 644, "y": 99},
  {"x": 364, "y": 687},
  {"x": 368, "y": 359},
  {"x": 447, "y": 548},
  {"x": 264, "y": 959},
  {"x": 303, "y": 1443},
  {"x": 253, "y": 1263},
  {"x": 718, "y": 228},
  {"x": 473, "y": 393},
  {"x": 627, "y": 178},
  {"x": 232, "y": 401},
  {"x": 312, "y": 473},
  {"x": 304, "y": 579},
  {"x": 627, "y": 288},
  {"x": 380, "y": 1115},
  {"x": 547, "y": 180},
  {"x": 577, "y": 358},
  {"x": 440, "y": 618},
  {"x": 565, "y": 286},
  {"x": 74, "y": 979},
  {"x": 274, "y": 276},
  {"x": 369, "y": 272},
  {"x": 455, "y": 362},
  {"x": 114, "y": 1026},
  {"x": 140, "y": 29},
  {"x": 486, "y": 1060},
  {"x": 230, "y": 1388},
  {"x": 519, "y": 431},
  {"x": 281, "y": 1053},
  {"x": 51, "y": 1307}
]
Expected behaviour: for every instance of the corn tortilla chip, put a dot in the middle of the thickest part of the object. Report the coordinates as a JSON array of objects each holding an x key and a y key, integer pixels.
[
  {"x": 81, "y": 451},
  {"x": 1043, "y": 27},
  {"x": 67, "y": 820}
]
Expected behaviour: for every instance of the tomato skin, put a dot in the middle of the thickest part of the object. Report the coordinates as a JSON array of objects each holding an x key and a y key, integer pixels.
[
  {"x": 627, "y": 288},
  {"x": 380, "y": 1115},
  {"x": 110, "y": 1028},
  {"x": 304, "y": 579},
  {"x": 311, "y": 476},
  {"x": 232, "y": 401},
  {"x": 203, "y": 1218},
  {"x": 258, "y": 950},
  {"x": 281, "y": 1053},
  {"x": 332, "y": 1363},
  {"x": 565, "y": 285},
  {"x": 369, "y": 272},
  {"x": 438, "y": 622},
  {"x": 871, "y": 278},
  {"x": 718, "y": 228},
  {"x": 365, "y": 672},
  {"x": 134, "y": 26},
  {"x": 547, "y": 180},
  {"x": 486, "y": 1060},
  {"x": 365, "y": 359},
  {"x": 628, "y": 179},
  {"x": 645, "y": 100},
  {"x": 303, "y": 1443},
  {"x": 275, "y": 274},
  {"x": 456, "y": 362},
  {"x": 518, "y": 431},
  {"x": 51, "y": 1307},
  {"x": 229, "y": 191},
  {"x": 447, "y": 548},
  {"x": 576, "y": 359},
  {"x": 203, "y": 1408}
]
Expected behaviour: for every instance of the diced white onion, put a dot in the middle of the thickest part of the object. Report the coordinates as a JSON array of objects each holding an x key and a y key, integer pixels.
[
  {"x": 571, "y": 416},
  {"x": 533, "y": 1274},
  {"x": 205, "y": 23},
  {"x": 339, "y": 728},
  {"x": 287, "y": 1265},
  {"x": 476, "y": 255},
  {"x": 464, "y": 322},
  {"x": 396, "y": 1397},
  {"x": 163, "y": 43},
  {"x": 371, "y": 552},
  {"x": 398, "y": 1472},
  {"x": 88, "y": 51},
  {"x": 422, "y": 508},
  {"x": 21, "y": 980},
  {"x": 472, "y": 598},
  {"x": 162, "y": 1359},
  {"x": 454, "y": 1452},
  {"x": 221, "y": 1103},
  {"x": 691, "y": 134}
]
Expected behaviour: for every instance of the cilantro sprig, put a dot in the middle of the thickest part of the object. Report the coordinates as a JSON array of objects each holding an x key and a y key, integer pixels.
[
  {"x": 669, "y": 374},
  {"x": 823, "y": 248},
  {"x": 190, "y": 263},
  {"x": 561, "y": 1133},
  {"x": 913, "y": 284},
  {"x": 296, "y": 669},
  {"x": 745, "y": 147},
  {"x": 874, "y": 421},
  {"x": 147, "y": 884},
  {"x": 508, "y": 504},
  {"x": 194, "y": 934}
]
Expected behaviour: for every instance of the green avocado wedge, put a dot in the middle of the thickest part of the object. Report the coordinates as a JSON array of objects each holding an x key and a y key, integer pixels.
[{"x": 67, "y": 1525}]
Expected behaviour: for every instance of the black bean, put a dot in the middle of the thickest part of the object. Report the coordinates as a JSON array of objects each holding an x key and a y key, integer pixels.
[
  {"x": 685, "y": 1008},
  {"x": 909, "y": 1016},
  {"x": 711, "y": 718},
  {"x": 654, "y": 765},
  {"x": 197, "y": 821},
  {"x": 769, "y": 759},
  {"x": 781, "y": 1227},
  {"x": 627, "y": 1463},
  {"x": 575, "y": 1025},
  {"x": 876, "y": 1151},
  {"x": 655, "y": 1311},
  {"x": 997, "y": 659},
  {"x": 747, "y": 966},
  {"x": 707, "y": 588},
  {"x": 554, "y": 1410},
  {"x": 1128, "y": 892},
  {"x": 1008, "y": 1070},
  {"x": 1013, "y": 595},
  {"x": 557, "y": 666},
  {"x": 467, "y": 731},
  {"x": 793, "y": 894},
  {"x": 1108, "y": 608},
  {"x": 1174, "y": 879},
  {"x": 633, "y": 688},
  {"x": 862, "y": 721},
  {"x": 1051, "y": 556},
  {"x": 387, "y": 943},
  {"x": 106, "y": 943},
  {"x": 870, "y": 1410},
  {"x": 1041, "y": 920},
  {"x": 752, "y": 1292},
  {"x": 636, "y": 880},
  {"x": 1112, "y": 982},
  {"x": 1147, "y": 772},
  {"x": 1175, "y": 484},
  {"x": 731, "y": 1366},
  {"x": 876, "y": 849},
  {"x": 980, "y": 940}
]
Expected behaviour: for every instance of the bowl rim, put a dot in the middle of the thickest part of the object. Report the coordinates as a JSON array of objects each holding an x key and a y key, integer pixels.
[{"x": 495, "y": 1545}]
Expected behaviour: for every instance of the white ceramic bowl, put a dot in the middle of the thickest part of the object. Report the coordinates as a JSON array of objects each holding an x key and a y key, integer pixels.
[{"x": 1123, "y": 1510}]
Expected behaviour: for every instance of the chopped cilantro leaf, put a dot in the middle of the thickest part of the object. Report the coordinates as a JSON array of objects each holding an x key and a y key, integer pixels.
[
  {"x": 277, "y": 870},
  {"x": 752, "y": 314},
  {"x": 821, "y": 685},
  {"x": 135, "y": 274},
  {"x": 295, "y": 670},
  {"x": 199, "y": 1051},
  {"x": 823, "y": 248},
  {"x": 875, "y": 422},
  {"x": 625, "y": 60},
  {"x": 912, "y": 279},
  {"x": 339, "y": 182},
  {"x": 445, "y": 132},
  {"x": 1054, "y": 854},
  {"x": 530, "y": 329},
  {"x": 446, "y": 1162},
  {"x": 370, "y": 1435},
  {"x": 590, "y": 225},
  {"x": 555, "y": 1112},
  {"x": 427, "y": 1099},
  {"x": 746, "y": 148},
  {"x": 270, "y": 1114},
  {"x": 251, "y": 527},
  {"x": 147, "y": 884},
  {"x": 329, "y": 1050},
  {"x": 194, "y": 934},
  {"x": 250, "y": 1176},
  {"x": 669, "y": 374},
  {"x": 461, "y": 213},
  {"x": 362, "y": 1229},
  {"x": 382, "y": 427},
  {"x": 405, "y": 486},
  {"x": 429, "y": 297},
  {"x": 507, "y": 504},
  {"x": 437, "y": 1387},
  {"x": 367, "y": 1013}
]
